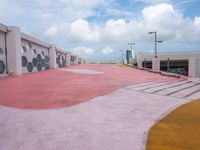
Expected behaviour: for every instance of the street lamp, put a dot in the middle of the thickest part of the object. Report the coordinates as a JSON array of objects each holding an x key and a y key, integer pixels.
[
  {"x": 155, "y": 55},
  {"x": 131, "y": 45}
]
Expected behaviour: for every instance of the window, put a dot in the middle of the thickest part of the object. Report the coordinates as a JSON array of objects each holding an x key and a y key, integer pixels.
[
  {"x": 43, "y": 54},
  {"x": 23, "y": 49},
  {"x": 34, "y": 51},
  {"x": 1, "y": 51}
]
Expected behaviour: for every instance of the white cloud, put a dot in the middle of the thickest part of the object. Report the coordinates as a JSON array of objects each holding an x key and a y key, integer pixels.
[
  {"x": 153, "y": 1},
  {"x": 83, "y": 51},
  {"x": 115, "y": 30},
  {"x": 73, "y": 9},
  {"x": 163, "y": 18},
  {"x": 57, "y": 31},
  {"x": 197, "y": 21},
  {"x": 51, "y": 32},
  {"x": 81, "y": 3},
  {"x": 107, "y": 50},
  {"x": 80, "y": 31},
  {"x": 117, "y": 12},
  {"x": 46, "y": 15}
]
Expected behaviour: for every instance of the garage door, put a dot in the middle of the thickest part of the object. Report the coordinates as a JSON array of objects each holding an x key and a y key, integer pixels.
[{"x": 198, "y": 68}]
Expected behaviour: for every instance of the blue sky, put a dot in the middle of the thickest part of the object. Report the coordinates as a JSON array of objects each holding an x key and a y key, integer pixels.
[{"x": 99, "y": 29}]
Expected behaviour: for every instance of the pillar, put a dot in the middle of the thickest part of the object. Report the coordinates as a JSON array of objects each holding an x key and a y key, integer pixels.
[
  {"x": 156, "y": 64},
  {"x": 192, "y": 67},
  {"x": 82, "y": 61},
  {"x": 68, "y": 59},
  {"x": 52, "y": 53},
  {"x": 76, "y": 60},
  {"x": 139, "y": 60},
  {"x": 168, "y": 64},
  {"x": 14, "y": 55}
]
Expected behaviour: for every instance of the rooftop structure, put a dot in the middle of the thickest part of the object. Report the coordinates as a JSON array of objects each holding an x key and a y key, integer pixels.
[
  {"x": 186, "y": 61},
  {"x": 21, "y": 53}
]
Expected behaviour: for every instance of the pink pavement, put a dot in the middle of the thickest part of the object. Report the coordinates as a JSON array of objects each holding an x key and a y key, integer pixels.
[{"x": 57, "y": 88}]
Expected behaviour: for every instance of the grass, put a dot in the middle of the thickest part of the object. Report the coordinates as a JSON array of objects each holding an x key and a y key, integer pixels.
[{"x": 180, "y": 130}]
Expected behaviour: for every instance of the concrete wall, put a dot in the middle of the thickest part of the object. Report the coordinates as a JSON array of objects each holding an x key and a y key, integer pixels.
[
  {"x": 73, "y": 60},
  {"x": 26, "y": 54},
  {"x": 60, "y": 58},
  {"x": 35, "y": 57},
  {"x": 2, "y": 53}
]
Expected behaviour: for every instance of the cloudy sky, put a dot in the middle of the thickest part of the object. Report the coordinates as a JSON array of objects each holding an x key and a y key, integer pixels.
[{"x": 99, "y": 29}]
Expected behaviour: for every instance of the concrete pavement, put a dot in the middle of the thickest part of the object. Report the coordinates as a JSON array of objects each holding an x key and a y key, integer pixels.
[
  {"x": 71, "y": 85},
  {"x": 115, "y": 107},
  {"x": 116, "y": 121}
]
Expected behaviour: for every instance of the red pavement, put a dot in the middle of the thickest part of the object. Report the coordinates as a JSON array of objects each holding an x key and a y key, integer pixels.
[{"x": 57, "y": 88}]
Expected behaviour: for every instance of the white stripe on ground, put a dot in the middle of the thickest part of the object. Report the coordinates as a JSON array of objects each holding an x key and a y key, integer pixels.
[
  {"x": 149, "y": 86},
  {"x": 194, "y": 96},
  {"x": 165, "y": 86},
  {"x": 141, "y": 84},
  {"x": 116, "y": 121},
  {"x": 186, "y": 91},
  {"x": 169, "y": 90}
]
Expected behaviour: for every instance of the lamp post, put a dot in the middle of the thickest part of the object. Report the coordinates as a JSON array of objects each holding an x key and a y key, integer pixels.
[
  {"x": 156, "y": 41},
  {"x": 131, "y": 45},
  {"x": 155, "y": 61}
]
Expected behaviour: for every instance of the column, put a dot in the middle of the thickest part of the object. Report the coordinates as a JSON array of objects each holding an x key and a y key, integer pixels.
[
  {"x": 156, "y": 64},
  {"x": 52, "y": 53},
  {"x": 13, "y": 38},
  {"x": 76, "y": 60},
  {"x": 192, "y": 67},
  {"x": 139, "y": 60},
  {"x": 68, "y": 59}
]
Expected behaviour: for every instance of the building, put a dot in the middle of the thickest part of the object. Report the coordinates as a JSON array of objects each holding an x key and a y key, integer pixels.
[
  {"x": 187, "y": 62},
  {"x": 21, "y": 53}
]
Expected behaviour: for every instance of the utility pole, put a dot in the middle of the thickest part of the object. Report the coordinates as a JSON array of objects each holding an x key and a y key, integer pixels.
[{"x": 131, "y": 44}]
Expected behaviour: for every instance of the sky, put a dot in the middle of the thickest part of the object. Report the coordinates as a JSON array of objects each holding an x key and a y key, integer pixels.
[{"x": 98, "y": 29}]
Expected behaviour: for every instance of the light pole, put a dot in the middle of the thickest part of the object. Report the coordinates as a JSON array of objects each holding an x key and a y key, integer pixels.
[
  {"x": 131, "y": 45},
  {"x": 155, "y": 60},
  {"x": 156, "y": 41}
]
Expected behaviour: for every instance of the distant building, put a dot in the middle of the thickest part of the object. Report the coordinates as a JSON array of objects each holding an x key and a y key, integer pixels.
[
  {"x": 186, "y": 62},
  {"x": 128, "y": 56}
]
